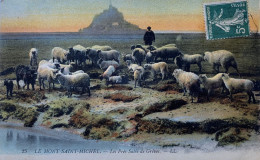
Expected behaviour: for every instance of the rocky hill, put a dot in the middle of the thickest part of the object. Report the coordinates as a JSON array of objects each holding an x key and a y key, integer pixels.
[{"x": 111, "y": 21}]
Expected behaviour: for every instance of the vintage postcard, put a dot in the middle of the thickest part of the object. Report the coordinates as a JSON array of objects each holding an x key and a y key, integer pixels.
[{"x": 129, "y": 79}]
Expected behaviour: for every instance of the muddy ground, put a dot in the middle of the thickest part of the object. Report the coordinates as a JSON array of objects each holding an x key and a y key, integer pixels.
[{"x": 156, "y": 113}]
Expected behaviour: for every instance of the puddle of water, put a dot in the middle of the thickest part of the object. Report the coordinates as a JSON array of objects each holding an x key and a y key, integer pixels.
[
  {"x": 186, "y": 119},
  {"x": 16, "y": 139}
]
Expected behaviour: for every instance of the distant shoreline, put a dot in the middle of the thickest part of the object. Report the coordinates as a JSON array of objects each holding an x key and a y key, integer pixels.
[{"x": 80, "y": 33}]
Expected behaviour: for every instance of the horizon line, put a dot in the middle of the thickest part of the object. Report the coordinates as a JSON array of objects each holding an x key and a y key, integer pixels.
[{"x": 155, "y": 31}]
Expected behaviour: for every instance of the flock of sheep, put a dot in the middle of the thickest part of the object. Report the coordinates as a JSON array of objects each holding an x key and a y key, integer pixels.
[{"x": 63, "y": 61}]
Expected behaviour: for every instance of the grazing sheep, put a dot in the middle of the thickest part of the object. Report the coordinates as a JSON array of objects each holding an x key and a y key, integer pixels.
[
  {"x": 60, "y": 54},
  {"x": 149, "y": 57},
  {"x": 188, "y": 81},
  {"x": 55, "y": 61},
  {"x": 222, "y": 58},
  {"x": 26, "y": 74},
  {"x": 93, "y": 55},
  {"x": 212, "y": 83},
  {"x": 187, "y": 60},
  {"x": 141, "y": 69},
  {"x": 102, "y": 48},
  {"x": 30, "y": 78},
  {"x": 9, "y": 87},
  {"x": 45, "y": 62},
  {"x": 20, "y": 73},
  {"x": 131, "y": 66},
  {"x": 54, "y": 65},
  {"x": 151, "y": 48},
  {"x": 144, "y": 47},
  {"x": 80, "y": 54},
  {"x": 46, "y": 73},
  {"x": 165, "y": 53},
  {"x": 161, "y": 67},
  {"x": 114, "y": 80},
  {"x": 138, "y": 76},
  {"x": 77, "y": 54},
  {"x": 33, "y": 55},
  {"x": 139, "y": 55},
  {"x": 67, "y": 68},
  {"x": 81, "y": 80},
  {"x": 71, "y": 55},
  {"x": 108, "y": 73},
  {"x": 77, "y": 72},
  {"x": 70, "y": 73},
  {"x": 105, "y": 64},
  {"x": 109, "y": 55},
  {"x": 129, "y": 57},
  {"x": 240, "y": 85}
]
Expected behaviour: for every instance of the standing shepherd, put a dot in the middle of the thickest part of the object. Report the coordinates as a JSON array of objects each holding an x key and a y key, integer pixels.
[{"x": 149, "y": 36}]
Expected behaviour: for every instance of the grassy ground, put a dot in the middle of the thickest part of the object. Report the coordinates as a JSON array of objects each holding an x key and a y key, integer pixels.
[{"x": 156, "y": 113}]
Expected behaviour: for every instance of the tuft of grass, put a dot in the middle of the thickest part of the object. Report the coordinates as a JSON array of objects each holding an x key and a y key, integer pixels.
[
  {"x": 9, "y": 109},
  {"x": 64, "y": 106}
]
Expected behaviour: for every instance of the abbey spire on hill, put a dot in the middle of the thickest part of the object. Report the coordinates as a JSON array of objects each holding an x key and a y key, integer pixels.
[{"x": 111, "y": 21}]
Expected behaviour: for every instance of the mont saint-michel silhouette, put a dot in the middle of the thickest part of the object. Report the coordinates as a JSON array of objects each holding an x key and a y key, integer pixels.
[{"x": 111, "y": 21}]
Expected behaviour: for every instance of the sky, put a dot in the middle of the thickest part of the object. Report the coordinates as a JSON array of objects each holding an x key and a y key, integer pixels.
[{"x": 71, "y": 15}]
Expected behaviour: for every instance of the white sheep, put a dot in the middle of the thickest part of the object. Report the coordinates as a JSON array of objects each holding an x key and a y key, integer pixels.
[
  {"x": 149, "y": 57},
  {"x": 222, "y": 58},
  {"x": 102, "y": 48},
  {"x": 105, "y": 64},
  {"x": 138, "y": 76},
  {"x": 161, "y": 67},
  {"x": 141, "y": 70},
  {"x": 108, "y": 73},
  {"x": 60, "y": 54},
  {"x": 212, "y": 83},
  {"x": 109, "y": 55},
  {"x": 77, "y": 72},
  {"x": 92, "y": 55},
  {"x": 114, "y": 80},
  {"x": 33, "y": 55},
  {"x": 42, "y": 62},
  {"x": 188, "y": 81},
  {"x": 129, "y": 57},
  {"x": 55, "y": 61},
  {"x": 46, "y": 73},
  {"x": 81, "y": 80},
  {"x": 241, "y": 85},
  {"x": 187, "y": 60},
  {"x": 131, "y": 66},
  {"x": 165, "y": 53},
  {"x": 65, "y": 69},
  {"x": 50, "y": 64}
]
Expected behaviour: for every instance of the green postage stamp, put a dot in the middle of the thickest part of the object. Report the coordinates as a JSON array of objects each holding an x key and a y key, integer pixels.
[{"x": 226, "y": 19}]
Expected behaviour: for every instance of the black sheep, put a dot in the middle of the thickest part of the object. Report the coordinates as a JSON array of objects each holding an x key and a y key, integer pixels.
[
  {"x": 9, "y": 87},
  {"x": 26, "y": 74}
]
